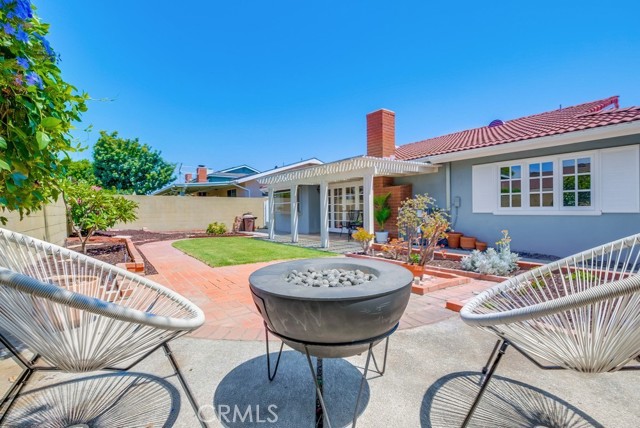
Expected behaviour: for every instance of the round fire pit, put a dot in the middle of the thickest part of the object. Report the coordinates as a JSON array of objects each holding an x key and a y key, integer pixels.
[{"x": 332, "y": 321}]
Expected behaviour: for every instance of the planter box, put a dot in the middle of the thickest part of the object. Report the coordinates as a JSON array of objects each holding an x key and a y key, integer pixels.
[{"x": 444, "y": 279}]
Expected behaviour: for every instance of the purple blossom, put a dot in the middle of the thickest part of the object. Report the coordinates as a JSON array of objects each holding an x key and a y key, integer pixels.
[
  {"x": 32, "y": 78},
  {"x": 8, "y": 29},
  {"x": 22, "y": 62},
  {"x": 23, "y": 9},
  {"x": 47, "y": 47},
  {"x": 21, "y": 35}
]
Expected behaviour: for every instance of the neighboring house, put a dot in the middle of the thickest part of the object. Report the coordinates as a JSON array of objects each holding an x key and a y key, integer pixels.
[
  {"x": 238, "y": 181},
  {"x": 560, "y": 181}
]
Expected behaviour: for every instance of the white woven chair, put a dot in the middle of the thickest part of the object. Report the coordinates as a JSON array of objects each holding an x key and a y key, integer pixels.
[
  {"x": 580, "y": 313},
  {"x": 79, "y": 314}
]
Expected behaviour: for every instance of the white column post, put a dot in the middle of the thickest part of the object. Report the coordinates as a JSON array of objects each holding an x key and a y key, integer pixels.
[
  {"x": 294, "y": 213},
  {"x": 367, "y": 211},
  {"x": 324, "y": 215},
  {"x": 272, "y": 216}
]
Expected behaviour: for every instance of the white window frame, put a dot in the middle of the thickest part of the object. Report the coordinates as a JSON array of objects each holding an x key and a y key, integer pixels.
[{"x": 558, "y": 208}]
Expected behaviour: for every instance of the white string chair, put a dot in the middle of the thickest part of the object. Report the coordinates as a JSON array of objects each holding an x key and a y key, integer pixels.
[
  {"x": 580, "y": 313},
  {"x": 79, "y": 314}
]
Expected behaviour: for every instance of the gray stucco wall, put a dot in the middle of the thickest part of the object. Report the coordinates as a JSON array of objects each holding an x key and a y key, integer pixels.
[
  {"x": 434, "y": 184},
  {"x": 308, "y": 214},
  {"x": 560, "y": 235}
]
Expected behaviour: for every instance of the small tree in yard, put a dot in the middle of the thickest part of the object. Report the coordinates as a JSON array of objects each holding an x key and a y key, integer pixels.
[
  {"x": 421, "y": 220},
  {"x": 92, "y": 208}
]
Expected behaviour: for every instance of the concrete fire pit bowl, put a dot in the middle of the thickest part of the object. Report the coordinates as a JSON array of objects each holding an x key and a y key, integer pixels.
[{"x": 335, "y": 321}]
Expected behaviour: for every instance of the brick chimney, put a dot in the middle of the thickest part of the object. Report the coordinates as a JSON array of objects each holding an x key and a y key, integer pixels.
[
  {"x": 381, "y": 133},
  {"x": 201, "y": 174},
  {"x": 188, "y": 178}
]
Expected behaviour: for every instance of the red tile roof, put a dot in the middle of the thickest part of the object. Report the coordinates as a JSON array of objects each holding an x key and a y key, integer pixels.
[{"x": 584, "y": 116}]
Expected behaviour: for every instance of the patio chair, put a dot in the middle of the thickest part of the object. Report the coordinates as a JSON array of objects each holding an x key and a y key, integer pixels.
[
  {"x": 78, "y": 314},
  {"x": 580, "y": 313},
  {"x": 355, "y": 220}
]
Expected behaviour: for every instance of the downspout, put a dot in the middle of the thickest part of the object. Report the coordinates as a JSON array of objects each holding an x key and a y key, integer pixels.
[
  {"x": 447, "y": 185},
  {"x": 453, "y": 210}
]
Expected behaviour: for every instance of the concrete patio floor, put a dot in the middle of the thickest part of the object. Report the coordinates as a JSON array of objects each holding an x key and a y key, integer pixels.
[
  {"x": 430, "y": 382},
  {"x": 431, "y": 379}
]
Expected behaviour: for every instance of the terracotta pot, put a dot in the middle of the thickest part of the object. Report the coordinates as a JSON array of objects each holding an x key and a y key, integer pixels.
[
  {"x": 416, "y": 270},
  {"x": 468, "y": 242},
  {"x": 481, "y": 246},
  {"x": 453, "y": 239}
]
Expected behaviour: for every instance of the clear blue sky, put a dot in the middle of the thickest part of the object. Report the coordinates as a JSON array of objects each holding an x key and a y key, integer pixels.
[{"x": 272, "y": 82}]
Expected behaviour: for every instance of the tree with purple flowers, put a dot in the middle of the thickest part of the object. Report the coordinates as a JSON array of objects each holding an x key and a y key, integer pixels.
[{"x": 37, "y": 110}]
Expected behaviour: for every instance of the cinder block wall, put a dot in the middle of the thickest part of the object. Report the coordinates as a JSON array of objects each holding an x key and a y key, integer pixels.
[
  {"x": 48, "y": 224},
  {"x": 178, "y": 213}
]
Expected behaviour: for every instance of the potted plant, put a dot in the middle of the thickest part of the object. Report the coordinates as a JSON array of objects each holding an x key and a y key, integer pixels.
[{"x": 381, "y": 213}]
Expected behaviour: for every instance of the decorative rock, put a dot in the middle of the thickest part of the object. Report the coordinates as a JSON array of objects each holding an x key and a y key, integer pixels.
[{"x": 329, "y": 278}]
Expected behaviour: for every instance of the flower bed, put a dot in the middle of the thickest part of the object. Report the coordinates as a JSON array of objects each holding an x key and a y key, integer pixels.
[
  {"x": 429, "y": 279},
  {"x": 448, "y": 263}
]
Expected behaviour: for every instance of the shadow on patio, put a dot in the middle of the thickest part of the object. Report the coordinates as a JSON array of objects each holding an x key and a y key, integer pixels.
[
  {"x": 506, "y": 403},
  {"x": 289, "y": 400}
]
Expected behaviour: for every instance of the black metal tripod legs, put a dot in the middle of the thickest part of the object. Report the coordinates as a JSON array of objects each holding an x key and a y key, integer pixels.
[
  {"x": 500, "y": 347},
  {"x": 318, "y": 382}
]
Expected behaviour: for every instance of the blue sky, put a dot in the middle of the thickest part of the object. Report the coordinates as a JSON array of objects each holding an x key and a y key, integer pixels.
[{"x": 271, "y": 82}]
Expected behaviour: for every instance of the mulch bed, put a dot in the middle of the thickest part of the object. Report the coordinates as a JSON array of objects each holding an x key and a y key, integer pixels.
[{"x": 106, "y": 251}]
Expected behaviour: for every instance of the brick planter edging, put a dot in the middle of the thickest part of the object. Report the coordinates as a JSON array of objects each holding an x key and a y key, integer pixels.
[
  {"x": 440, "y": 255},
  {"x": 448, "y": 279},
  {"x": 136, "y": 265}
]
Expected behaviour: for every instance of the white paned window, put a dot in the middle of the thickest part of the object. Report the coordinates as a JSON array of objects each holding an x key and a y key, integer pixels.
[
  {"x": 581, "y": 183},
  {"x": 541, "y": 184},
  {"x": 546, "y": 184},
  {"x": 511, "y": 186},
  {"x": 576, "y": 182}
]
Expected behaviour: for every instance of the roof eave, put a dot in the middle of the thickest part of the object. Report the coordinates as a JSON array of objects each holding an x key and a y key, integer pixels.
[{"x": 609, "y": 131}]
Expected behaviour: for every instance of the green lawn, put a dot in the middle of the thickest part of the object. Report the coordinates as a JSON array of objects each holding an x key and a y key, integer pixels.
[{"x": 218, "y": 252}]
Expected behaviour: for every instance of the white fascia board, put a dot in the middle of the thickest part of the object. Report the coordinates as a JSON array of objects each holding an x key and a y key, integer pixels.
[
  {"x": 610, "y": 131},
  {"x": 310, "y": 162}
]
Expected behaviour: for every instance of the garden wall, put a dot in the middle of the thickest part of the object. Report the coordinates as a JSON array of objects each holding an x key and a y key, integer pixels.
[
  {"x": 180, "y": 213},
  {"x": 48, "y": 224}
]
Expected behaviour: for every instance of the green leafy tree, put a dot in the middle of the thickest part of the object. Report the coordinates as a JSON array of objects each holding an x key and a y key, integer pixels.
[
  {"x": 128, "y": 166},
  {"x": 37, "y": 109},
  {"x": 81, "y": 170},
  {"x": 92, "y": 208}
]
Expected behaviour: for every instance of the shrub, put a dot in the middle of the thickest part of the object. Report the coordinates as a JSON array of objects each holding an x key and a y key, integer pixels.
[
  {"x": 216, "y": 228},
  {"x": 364, "y": 238},
  {"x": 421, "y": 220},
  {"x": 394, "y": 249},
  {"x": 492, "y": 262},
  {"x": 414, "y": 258}
]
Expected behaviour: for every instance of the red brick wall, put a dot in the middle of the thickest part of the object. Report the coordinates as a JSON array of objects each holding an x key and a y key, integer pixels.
[
  {"x": 383, "y": 185},
  {"x": 201, "y": 174},
  {"x": 381, "y": 133}
]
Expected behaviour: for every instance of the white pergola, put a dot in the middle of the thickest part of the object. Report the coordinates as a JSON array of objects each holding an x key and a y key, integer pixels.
[{"x": 362, "y": 167}]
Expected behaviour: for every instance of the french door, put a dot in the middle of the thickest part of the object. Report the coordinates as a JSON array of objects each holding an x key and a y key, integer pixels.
[{"x": 343, "y": 198}]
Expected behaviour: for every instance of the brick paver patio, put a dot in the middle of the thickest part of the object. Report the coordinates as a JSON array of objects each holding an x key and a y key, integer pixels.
[{"x": 224, "y": 296}]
